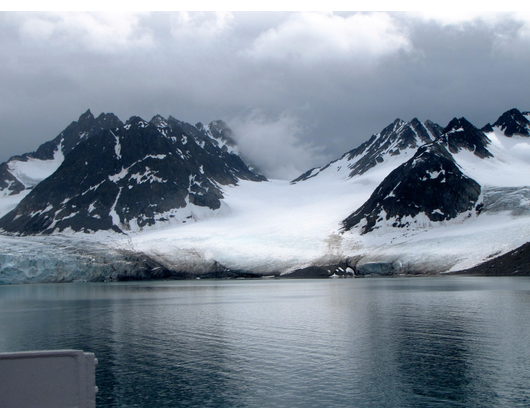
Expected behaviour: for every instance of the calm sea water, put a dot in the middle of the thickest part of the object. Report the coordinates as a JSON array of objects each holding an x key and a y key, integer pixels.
[{"x": 395, "y": 342}]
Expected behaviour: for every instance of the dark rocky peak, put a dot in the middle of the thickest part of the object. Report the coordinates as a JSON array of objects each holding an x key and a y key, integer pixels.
[
  {"x": 457, "y": 124},
  {"x": 135, "y": 122},
  {"x": 513, "y": 123},
  {"x": 86, "y": 127},
  {"x": 220, "y": 130},
  {"x": 76, "y": 132},
  {"x": 401, "y": 135},
  {"x": 434, "y": 129},
  {"x": 201, "y": 136},
  {"x": 397, "y": 138},
  {"x": 159, "y": 121},
  {"x": 488, "y": 128},
  {"x": 176, "y": 122},
  {"x": 461, "y": 134},
  {"x": 108, "y": 121},
  {"x": 393, "y": 140},
  {"x": 90, "y": 125},
  {"x": 129, "y": 178},
  {"x": 421, "y": 130},
  {"x": 430, "y": 183},
  {"x": 216, "y": 135},
  {"x": 218, "y": 127},
  {"x": 409, "y": 133},
  {"x": 187, "y": 129},
  {"x": 393, "y": 127},
  {"x": 54, "y": 150},
  {"x": 215, "y": 128},
  {"x": 86, "y": 118},
  {"x": 220, "y": 133}
]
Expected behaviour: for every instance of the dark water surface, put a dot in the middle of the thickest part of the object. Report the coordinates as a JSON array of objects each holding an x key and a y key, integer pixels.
[{"x": 403, "y": 342}]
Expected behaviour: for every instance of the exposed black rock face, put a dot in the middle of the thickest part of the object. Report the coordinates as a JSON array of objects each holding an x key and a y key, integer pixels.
[
  {"x": 130, "y": 177},
  {"x": 8, "y": 182},
  {"x": 393, "y": 140},
  {"x": 65, "y": 142},
  {"x": 340, "y": 269},
  {"x": 461, "y": 134},
  {"x": 434, "y": 129},
  {"x": 75, "y": 133},
  {"x": 429, "y": 183},
  {"x": 219, "y": 131},
  {"x": 513, "y": 263},
  {"x": 308, "y": 174},
  {"x": 487, "y": 128},
  {"x": 513, "y": 123}
]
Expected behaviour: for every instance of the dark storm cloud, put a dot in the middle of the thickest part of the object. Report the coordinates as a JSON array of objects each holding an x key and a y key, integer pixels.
[{"x": 298, "y": 89}]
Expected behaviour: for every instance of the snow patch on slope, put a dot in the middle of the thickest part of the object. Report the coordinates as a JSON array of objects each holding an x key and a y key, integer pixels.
[
  {"x": 29, "y": 173},
  {"x": 9, "y": 202},
  {"x": 33, "y": 171},
  {"x": 507, "y": 168}
]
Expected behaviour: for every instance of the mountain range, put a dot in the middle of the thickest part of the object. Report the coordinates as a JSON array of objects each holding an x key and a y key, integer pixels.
[
  {"x": 167, "y": 198},
  {"x": 131, "y": 176}
]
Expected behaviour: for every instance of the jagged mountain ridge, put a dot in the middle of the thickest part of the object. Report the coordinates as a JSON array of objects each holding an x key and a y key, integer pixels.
[
  {"x": 395, "y": 140},
  {"x": 278, "y": 228},
  {"x": 512, "y": 122},
  {"x": 461, "y": 134},
  {"x": 25, "y": 171},
  {"x": 134, "y": 176},
  {"x": 430, "y": 183},
  {"x": 433, "y": 186}
]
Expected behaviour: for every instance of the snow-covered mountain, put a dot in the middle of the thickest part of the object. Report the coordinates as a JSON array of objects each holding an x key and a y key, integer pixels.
[
  {"x": 392, "y": 146},
  {"x": 133, "y": 176},
  {"x": 22, "y": 173},
  {"x": 414, "y": 199},
  {"x": 429, "y": 187},
  {"x": 473, "y": 185},
  {"x": 461, "y": 200}
]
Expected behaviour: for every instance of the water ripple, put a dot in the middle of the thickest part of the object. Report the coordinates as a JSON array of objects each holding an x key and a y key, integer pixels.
[{"x": 447, "y": 342}]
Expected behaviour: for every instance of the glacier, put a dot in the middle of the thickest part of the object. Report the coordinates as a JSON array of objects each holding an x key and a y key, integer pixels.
[
  {"x": 279, "y": 228},
  {"x": 269, "y": 229},
  {"x": 276, "y": 227},
  {"x": 59, "y": 259}
]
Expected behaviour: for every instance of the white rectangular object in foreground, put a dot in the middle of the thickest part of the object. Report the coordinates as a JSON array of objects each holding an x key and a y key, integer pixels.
[{"x": 55, "y": 378}]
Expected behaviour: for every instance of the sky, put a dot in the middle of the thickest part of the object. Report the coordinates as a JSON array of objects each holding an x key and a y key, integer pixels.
[{"x": 298, "y": 89}]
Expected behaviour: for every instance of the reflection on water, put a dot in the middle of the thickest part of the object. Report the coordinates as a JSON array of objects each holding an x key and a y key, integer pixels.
[{"x": 404, "y": 342}]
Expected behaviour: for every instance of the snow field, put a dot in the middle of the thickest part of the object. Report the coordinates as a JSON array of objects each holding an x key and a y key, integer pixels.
[
  {"x": 276, "y": 227},
  {"x": 269, "y": 226}
]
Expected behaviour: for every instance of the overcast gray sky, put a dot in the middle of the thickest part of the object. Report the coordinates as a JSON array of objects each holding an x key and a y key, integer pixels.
[{"x": 298, "y": 89}]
